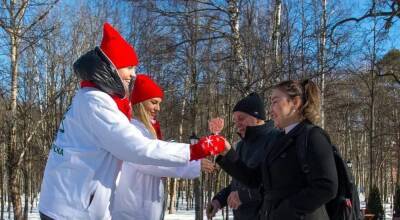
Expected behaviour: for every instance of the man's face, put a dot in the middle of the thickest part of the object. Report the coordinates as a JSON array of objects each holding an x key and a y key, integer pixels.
[{"x": 242, "y": 121}]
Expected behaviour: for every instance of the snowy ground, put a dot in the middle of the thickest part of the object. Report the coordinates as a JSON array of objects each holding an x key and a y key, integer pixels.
[
  {"x": 388, "y": 211},
  {"x": 180, "y": 215},
  {"x": 189, "y": 215},
  {"x": 184, "y": 215}
]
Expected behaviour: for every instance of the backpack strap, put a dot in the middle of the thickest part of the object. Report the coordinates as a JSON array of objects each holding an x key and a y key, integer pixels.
[{"x": 302, "y": 148}]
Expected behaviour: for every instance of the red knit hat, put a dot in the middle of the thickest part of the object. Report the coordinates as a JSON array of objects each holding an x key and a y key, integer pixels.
[
  {"x": 145, "y": 88},
  {"x": 120, "y": 52}
]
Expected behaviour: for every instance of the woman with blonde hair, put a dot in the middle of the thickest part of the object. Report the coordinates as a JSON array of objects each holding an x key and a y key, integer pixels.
[{"x": 140, "y": 190}]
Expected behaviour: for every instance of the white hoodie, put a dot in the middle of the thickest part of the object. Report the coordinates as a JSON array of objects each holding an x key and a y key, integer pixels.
[
  {"x": 85, "y": 158},
  {"x": 140, "y": 191}
]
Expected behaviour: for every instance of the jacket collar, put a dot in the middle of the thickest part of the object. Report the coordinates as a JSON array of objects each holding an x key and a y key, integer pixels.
[
  {"x": 287, "y": 140},
  {"x": 290, "y": 127},
  {"x": 254, "y": 131}
]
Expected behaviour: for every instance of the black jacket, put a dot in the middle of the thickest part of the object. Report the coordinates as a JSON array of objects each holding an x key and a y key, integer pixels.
[
  {"x": 288, "y": 193},
  {"x": 251, "y": 150}
]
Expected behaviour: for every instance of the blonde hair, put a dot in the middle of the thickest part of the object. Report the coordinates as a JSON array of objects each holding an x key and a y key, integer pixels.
[
  {"x": 140, "y": 113},
  {"x": 310, "y": 96}
]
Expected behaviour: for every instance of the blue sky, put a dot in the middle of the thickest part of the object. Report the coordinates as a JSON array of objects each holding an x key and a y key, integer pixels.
[
  {"x": 360, "y": 7},
  {"x": 357, "y": 8}
]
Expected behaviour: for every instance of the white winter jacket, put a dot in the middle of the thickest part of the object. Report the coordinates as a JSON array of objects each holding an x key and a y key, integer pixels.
[
  {"x": 140, "y": 191},
  {"x": 85, "y": 158}
]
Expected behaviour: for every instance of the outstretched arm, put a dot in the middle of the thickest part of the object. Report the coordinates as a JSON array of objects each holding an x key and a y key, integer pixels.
[
  {"x": 237, "y": 169},
  {"x": 190, "y": 171}
]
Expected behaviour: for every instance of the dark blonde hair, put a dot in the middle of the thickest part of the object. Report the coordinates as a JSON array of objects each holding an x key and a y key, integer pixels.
[
  {"x": 139, "y": 112},
  {"x": 310, "y": 96}
]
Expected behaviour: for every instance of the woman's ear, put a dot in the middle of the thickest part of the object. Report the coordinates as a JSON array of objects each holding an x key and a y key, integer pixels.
[{"x": 297, "y": 102}]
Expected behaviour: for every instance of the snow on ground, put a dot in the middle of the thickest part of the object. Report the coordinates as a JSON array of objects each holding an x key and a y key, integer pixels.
[
  {"x": 180, "y": 215},
  {"x": 388, "y": 211},
  {"x": 189, "y": 215},
  {"x": 183, "y": 214}
]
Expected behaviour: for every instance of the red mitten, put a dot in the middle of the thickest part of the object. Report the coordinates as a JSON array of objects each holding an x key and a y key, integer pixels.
[{"x": 209, "y": 145}]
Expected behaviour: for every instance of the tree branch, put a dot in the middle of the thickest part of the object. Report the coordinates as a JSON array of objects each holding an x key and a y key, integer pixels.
[
  {"x": 396, "y": 78},
  {"x": 42, "y": 118},
  {"x": 371, "y": 13},
  {"x": 39, "y": 18},
  {"x": 368, "y": 15},
  {"x": 197, "y": 40}
]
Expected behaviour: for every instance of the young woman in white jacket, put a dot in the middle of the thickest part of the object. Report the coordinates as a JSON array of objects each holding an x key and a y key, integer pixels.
[
  {"x": 95, "y": 135},
  {"x": 140, "y": 191}
]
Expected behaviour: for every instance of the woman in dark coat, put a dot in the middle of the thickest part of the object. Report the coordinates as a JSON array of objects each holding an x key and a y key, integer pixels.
[{"x": 289, "y": 193}]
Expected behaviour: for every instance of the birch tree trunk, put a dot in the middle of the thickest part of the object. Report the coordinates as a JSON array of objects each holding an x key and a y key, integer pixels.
[
  {"x": 2, "y": 193},
  {"x": 321, "y": 60},
  {"x": 372, "y": 107},
  {"x": 275, "y": 40},
  {"x": 239, "y": 68},
  {"x": 13, "y": 154}
]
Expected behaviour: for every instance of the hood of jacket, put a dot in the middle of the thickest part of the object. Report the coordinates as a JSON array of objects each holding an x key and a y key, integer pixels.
[{"x": 96, "y": 67}]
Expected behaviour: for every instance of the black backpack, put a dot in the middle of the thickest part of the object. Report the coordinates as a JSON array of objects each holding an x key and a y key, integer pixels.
[{"x": 346, "y": 204}]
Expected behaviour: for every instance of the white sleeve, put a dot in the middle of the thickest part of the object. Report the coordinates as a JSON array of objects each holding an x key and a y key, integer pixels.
[
  {"x": 189, "y": 171},
  {"x": 114, "y": 133}
]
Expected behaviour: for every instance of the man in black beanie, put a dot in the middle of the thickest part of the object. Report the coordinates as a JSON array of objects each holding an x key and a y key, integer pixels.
[
  {"x": 252, "y": 105},
  {"x": 249, "y": 117}
]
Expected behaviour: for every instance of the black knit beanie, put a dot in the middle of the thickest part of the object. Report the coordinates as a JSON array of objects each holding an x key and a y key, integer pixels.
[{"x": 252, "y": 105}]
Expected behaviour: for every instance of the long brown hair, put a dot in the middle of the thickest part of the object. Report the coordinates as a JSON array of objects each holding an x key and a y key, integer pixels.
[
  {"x": 310, "y": 96},
  {"x": 140, "y": 113}
]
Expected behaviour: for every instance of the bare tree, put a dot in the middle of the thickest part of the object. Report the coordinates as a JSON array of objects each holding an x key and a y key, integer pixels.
[
  {"x": 321, "y": 59},
  {"x": 17, "y": 30},
  {"x": 276, "y": 37},
  {"x": 390, "y": 10}
]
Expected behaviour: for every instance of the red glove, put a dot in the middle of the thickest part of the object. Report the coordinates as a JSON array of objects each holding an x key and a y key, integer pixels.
[{"x": 208, "y": 145}]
